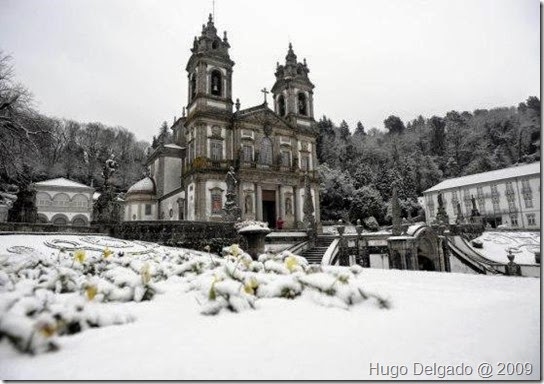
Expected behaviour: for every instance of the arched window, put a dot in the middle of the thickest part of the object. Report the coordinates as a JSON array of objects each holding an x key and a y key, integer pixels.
[
  {"x": 80, "y": 201},
  {"x": 60, "y": 220},
  {"x": 193, "y": 86},
  {"x": 79, "y": 221},
  {"x": 265, "y": 156},
  {"x": 302, "y": 110},
  {"x": 216, "y": 83},
  {"x": 61, "y": 200},
  {"x": 215, "y": 44},
  {"x": 281, "y": 105}
]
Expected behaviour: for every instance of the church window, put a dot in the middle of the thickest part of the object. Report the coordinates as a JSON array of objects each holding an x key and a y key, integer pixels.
[
  {"x": 531, "y": 219},
  {"x": 217, "y": 203},
  {"x": 302, "y": 110},
  {"x": 216, "y": 148},
  {"x": 215, "y": 44},
  {"x": 514, "y": 220},
  {"x": 305, "y": 162},
  {"x": 193, "y": 86},
  {"x": 266, "y": 151},
  {"x": 148, "y": 209},
  {"x": 281, "y": 105},
  {"x": 285, "y": 158},
  {"x": 216, "y": 83},
  {"x": 247, "y": 153}
]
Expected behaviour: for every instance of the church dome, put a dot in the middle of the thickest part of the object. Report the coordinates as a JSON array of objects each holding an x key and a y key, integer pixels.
[{"x": 144, "y": 186}]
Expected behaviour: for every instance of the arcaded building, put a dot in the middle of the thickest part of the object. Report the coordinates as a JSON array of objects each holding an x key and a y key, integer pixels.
[
  {"x": 64, "y": 202},
  {"x": 272, "y": 146}
]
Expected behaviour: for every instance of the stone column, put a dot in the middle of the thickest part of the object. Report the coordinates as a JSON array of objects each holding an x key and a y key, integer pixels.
[
  {"x": 296, "y": 205},
  {"x": 279, "y": 212},
  {"x": 258, "y": 202}
]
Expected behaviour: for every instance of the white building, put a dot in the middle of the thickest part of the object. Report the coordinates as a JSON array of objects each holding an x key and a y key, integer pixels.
[
  {"x": 509, "y": 196},
  {"x": 64, "y": 202}
]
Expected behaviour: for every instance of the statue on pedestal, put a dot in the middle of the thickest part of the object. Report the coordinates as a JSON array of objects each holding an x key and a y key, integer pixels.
[{"x": 231, "y": 211}]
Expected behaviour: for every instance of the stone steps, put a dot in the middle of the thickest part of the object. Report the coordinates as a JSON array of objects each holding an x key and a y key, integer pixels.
[{"x": 315, "y": 255}]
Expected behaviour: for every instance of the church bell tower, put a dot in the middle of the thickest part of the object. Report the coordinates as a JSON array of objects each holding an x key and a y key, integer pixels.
[
  {"x": 293, "y": 91},
  {"x": 209, "y": 72}
]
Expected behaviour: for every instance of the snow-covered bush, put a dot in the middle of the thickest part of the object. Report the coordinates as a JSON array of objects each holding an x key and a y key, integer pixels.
[{"x": 43, "y": 297}]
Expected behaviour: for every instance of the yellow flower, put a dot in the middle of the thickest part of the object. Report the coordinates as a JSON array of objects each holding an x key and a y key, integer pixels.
[
  {"x": 235, "y": 250},
  {"x": 46, "y": 329},
  {"x": 250, "y": 286},
  {"x": 79, "y": 255},
  {"x": 107, "y": 253},
  {"x": 91, "y": 291},
  {"x": 212, "y": 295},
  {"x": 291, "y": 263},
  {"x": 146, "y": 273}
]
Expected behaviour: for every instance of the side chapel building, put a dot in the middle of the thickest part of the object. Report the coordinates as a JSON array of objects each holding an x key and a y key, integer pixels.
[{"x": 271, "y": 149}]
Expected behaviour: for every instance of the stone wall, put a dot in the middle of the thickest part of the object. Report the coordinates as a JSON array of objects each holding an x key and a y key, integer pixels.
[
  {"x": 11, "y": 227},
  {"x": 186, "y": 234}
]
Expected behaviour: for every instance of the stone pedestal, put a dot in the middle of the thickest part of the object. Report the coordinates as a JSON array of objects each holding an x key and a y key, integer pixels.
[
  {"x": 3, "y": 213},
  {"x": 255, "y": 238}
]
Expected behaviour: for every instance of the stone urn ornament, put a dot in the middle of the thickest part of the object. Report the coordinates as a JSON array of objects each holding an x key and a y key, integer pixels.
[{"x": 255, "y": 233}]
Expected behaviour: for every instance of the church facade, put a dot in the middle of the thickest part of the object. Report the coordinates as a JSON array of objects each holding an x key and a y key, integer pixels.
[{"x": 272, "y": 147}]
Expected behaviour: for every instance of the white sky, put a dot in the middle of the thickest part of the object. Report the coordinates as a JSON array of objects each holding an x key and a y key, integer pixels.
[{"x": 122, "y": 62}]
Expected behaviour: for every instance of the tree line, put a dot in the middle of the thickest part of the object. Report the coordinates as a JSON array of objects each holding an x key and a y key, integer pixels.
[
  {"x": 36, "y": 147},
  {"x": 359, "y": 167}
]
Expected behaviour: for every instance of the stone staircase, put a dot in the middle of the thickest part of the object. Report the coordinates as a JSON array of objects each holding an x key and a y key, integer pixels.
[{"x": 315, "y": 255}]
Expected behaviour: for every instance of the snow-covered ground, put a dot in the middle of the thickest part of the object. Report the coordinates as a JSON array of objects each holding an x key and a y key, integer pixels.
[
  {"x": 497, "y": 243},
  {"x": 434, "y": 318}
]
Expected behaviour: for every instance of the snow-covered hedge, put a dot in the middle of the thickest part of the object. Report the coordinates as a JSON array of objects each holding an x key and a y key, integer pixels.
[{"x": 43, "y": 297}]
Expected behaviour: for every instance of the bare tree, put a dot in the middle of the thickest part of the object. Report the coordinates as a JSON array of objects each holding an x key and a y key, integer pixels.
[{"x": 20, "y": 124}]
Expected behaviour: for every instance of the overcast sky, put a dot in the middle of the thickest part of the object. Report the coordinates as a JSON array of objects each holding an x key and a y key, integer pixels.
[{"x": 122, "y": 62}]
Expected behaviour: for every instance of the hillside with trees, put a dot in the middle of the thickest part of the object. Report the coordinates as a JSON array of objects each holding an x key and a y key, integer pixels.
[
  {"x": 359, "y": 167},
  {"x": 36, "y": 147}
]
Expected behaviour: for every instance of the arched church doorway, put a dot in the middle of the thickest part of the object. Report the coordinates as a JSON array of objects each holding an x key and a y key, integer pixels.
[
  {"x": 426, "y": 253},
  {"x": 425, "y": 264},
  {"x": 269, "y": 208}
]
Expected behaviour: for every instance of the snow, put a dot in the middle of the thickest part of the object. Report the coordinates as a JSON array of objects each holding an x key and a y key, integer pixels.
[
  {"x": 62, "y": 182},
  {"x": 497, "y": 243},
  {"x": 253, "y": 228},
  {"x": 486, "y": 177},
  {"x": 146, "y": 185},
  {"x": 442, "y": 318}
]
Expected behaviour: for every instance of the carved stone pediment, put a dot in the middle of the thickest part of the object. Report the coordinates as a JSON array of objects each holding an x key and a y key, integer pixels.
[{"x": 262, "y": 116}]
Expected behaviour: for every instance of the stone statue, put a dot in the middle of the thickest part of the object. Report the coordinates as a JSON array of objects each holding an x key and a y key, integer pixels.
[
  {"x": 396, "y": 212},
  {"x": 231, "y": 211},
  {"x": 107, "y": 209},
  {"x": 109, "y": 168},
  {"x": 441, "y": 215},
  {"x": 231, "y": 181}
]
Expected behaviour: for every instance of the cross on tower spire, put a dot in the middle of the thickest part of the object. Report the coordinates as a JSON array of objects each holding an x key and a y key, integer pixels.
[{"x": 265, "y": 92}]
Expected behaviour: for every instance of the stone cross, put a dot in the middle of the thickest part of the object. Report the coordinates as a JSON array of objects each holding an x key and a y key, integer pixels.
[{"x": 265, "y": 92}]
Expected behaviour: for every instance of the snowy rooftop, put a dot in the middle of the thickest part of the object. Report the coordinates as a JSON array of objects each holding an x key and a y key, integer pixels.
[
  {"x": 146, "y": 185},
  {"x": 173, "y": 146},
  {"x": 486, "y": 177},
  {"x": 62, "y": 182}
]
